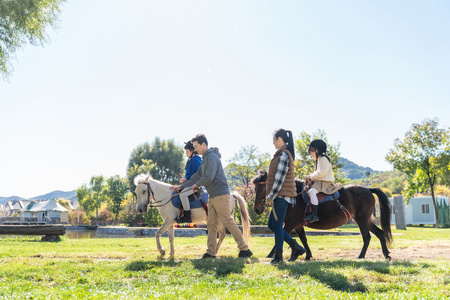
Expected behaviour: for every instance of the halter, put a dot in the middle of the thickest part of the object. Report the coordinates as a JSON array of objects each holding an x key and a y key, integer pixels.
[{"x": 155, "y": 202}]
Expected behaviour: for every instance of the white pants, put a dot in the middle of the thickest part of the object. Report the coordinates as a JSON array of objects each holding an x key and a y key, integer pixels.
[
  {"x": 312, "y": 192},
  {"x": 184, "y": 198}
]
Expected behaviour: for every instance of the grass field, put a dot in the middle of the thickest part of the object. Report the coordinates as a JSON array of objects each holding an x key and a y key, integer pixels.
[{"x": 131, "y": 269}]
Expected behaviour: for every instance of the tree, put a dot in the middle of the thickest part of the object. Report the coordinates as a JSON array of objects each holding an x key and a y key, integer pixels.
[
  {"x": 242, "y": 167},
  {"x": 423, "y": 156},
  {"x": 65, "y": 203},
  {"x": 136, "y": 169},
  {"x": 305, "y": 165},
  {"x": 167, "y": 157},
  {"x": 91, "y": 198},
  {"x": 98, "y": 193},
  {"x": 24, "y": 21},
  {"x": 116, "y": 190}
]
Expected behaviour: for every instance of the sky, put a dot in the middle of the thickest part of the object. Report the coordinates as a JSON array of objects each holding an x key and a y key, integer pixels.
[{"x": 116, "y": 74}]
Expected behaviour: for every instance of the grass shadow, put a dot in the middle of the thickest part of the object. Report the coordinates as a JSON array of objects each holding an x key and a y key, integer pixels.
[
  {"x": 327, "y": 272},
  {"x": 141, "y": 265},
  {"x": 222, "y": 266}
]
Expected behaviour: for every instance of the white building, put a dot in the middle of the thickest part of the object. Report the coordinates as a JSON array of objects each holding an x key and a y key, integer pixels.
[{"x": 420, "y": 211}]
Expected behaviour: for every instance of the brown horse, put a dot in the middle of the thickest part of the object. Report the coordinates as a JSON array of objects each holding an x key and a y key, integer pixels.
[{"x": 356, "y": 200}]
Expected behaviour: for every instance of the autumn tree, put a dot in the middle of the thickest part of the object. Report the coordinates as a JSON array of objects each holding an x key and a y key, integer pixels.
[{"x": 423, "y": 155}]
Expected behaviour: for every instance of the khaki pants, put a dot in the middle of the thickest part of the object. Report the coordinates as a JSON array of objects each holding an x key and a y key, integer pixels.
[{"x": 221, "y": 207}]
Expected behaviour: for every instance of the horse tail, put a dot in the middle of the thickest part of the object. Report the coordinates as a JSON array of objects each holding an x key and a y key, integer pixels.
[
  {"x": 245, "y": 217},
  {"x": 385, "y": 213}
]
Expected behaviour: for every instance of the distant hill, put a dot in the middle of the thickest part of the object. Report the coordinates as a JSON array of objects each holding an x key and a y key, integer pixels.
[
  {"x": 6, "y": 199},
  {"x": 56, "y": 195},
  {"x": 353, "y": 171},
  {"x": 52, "y": 195}
]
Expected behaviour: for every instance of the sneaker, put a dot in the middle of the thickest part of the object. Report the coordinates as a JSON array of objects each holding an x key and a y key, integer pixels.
[
  {"x": 206, "y": 255},
  {"x": 245, "y": 253}
]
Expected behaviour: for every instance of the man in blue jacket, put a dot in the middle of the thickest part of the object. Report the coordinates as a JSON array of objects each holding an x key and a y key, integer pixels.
[{"x": 212, "y": 177}]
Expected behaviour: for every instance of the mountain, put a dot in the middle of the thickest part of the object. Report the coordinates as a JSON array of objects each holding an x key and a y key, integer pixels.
[
  {"x": 6, "y": 199},
  {"x": 56, "y": 195},
  {"x": 52, "y": 195},
  {"x": 353, "y": 171}
]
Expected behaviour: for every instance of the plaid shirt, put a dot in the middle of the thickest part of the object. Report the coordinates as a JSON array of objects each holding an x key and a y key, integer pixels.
[{"x": 280, "y": 175}]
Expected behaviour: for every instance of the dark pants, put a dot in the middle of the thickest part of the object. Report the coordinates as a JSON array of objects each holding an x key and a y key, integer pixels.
[{"x": 280, "y": 206}]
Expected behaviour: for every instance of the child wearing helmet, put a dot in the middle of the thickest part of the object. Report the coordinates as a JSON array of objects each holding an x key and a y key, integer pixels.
[{"x": 322, "y": 178}]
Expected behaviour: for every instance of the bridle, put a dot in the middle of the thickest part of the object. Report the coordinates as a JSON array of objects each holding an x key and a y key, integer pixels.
[{"x": 155, "y": 202}]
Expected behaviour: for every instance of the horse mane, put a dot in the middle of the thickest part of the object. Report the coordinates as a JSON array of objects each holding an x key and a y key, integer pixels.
[
  {"x": 261, "y": 177},
  {"x": 145, "y": 178}
]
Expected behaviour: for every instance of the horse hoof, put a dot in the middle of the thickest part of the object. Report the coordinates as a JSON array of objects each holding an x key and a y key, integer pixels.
[
  {"x": 308, "y": 258},
  {"x": 388, "y": 258},
  {"x": 162, "y": 252}
]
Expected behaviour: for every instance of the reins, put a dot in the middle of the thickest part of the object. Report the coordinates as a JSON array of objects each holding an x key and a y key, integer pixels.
[{"x": 153, "y": 203}]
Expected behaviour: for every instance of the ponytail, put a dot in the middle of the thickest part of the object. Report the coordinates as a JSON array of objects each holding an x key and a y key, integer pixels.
[{"x": 286, "y": 136}]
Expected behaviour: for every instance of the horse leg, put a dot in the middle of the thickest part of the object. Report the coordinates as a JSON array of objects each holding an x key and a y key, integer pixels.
[
  {"x": 379, "y": 234},
  {"x": 171, "y": 232},
  {"x": 302, "y": 235},
  {"x": 165, "y": 226},
  {"x": 363, "y": 228}
]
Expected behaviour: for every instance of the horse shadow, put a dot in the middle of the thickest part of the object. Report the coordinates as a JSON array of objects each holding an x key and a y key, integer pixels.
[
  {"x": 143, "y": 265},
  {"x": 327, "y": 272},
  {"x": 223, "y": 266}
]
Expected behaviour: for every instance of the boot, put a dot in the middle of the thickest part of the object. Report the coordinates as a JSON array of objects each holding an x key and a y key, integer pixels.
[
  {"x": 186, "y": 217},
  {"x": 297, "y": 250},
  {"x": 312, "y": 217},
  {"x": 278, "y": 257}
]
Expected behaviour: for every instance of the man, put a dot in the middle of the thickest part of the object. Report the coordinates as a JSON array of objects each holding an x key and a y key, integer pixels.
[{"x": 212, "y": 177}]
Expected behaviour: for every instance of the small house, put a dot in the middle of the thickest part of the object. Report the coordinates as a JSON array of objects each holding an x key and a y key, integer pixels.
[
  {"x": 420, "y": 211},
  {"x": 49, "y": 209}
]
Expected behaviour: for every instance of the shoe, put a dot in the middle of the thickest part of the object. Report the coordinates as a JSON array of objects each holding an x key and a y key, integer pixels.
[
  {"x": 312, "y": 217},
  {"x": 186, "y": 217},
  {"x": 245, "y": 253},
  {"x": 278, "y": 257},
  {"x": 206, "y": 255},
  {"x": 297, "y": 250}
]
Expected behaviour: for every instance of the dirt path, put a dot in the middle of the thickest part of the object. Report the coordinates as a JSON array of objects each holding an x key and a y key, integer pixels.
[{"x": 432, "y": 251}]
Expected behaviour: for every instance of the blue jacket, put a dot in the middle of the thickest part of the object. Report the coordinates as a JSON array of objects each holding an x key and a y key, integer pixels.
[
  {"x": 192, "y": 166},
  {"x": 210, "y": 175}
]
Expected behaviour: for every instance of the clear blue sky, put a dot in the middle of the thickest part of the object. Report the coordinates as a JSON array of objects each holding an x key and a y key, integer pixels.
[{"x": 117, "y": 74}]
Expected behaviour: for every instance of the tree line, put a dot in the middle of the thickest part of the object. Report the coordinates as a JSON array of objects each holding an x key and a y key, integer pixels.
[{"x": 421, "y": 161}]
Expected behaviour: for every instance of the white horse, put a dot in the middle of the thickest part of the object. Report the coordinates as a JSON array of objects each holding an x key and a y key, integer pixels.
[{"x": 158, "y": 194}]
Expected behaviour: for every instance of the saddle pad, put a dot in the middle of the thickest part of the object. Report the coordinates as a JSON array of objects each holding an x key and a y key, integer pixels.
[
  {"x": 321, "y": 197},
  {"x": 194, "y": 203}
]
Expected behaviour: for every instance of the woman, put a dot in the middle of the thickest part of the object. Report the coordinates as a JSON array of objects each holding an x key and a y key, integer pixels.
[
  {"x": 282, "y": 192},
  {"x": 192, "y": 166},
  {"x": 322, "y": 178}
]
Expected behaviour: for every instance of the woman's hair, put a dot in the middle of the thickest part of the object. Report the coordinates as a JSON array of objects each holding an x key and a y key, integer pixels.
[
  {"x": 319, "y": 147},
  {"x": 286, "y": 136}
]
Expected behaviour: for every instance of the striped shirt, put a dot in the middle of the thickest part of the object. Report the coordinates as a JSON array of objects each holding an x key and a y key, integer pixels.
[{"x": 280, "y": 175}]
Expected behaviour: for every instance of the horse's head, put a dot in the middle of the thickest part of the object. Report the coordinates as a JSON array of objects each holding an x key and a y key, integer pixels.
[
  {"x": 142, "y": 192},
  {"x": 259, "y": 181}
]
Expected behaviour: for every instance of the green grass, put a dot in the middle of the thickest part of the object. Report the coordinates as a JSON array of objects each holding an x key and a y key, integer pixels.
[{"x": 131, "y": 269}]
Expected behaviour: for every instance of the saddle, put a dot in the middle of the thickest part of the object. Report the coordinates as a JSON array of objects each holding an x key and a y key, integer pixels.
[
  {"x": 322, "y": 197},
  {"x": 196, "y": 200}
]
